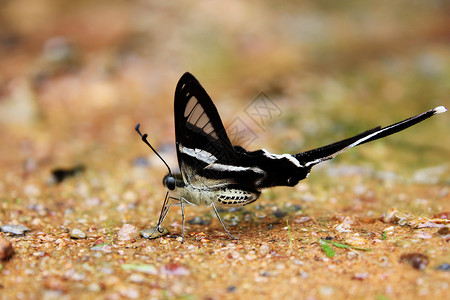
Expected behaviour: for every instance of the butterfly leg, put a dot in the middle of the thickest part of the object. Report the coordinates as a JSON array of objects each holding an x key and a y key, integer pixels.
[
  {"x": 166, "y": 207},
  {"x": 221, "y": 222},
  {"x": 182, "y": 216}
]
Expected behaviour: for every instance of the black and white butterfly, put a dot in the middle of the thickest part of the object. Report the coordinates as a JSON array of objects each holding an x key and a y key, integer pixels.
[{"x": 214, "y": 172}]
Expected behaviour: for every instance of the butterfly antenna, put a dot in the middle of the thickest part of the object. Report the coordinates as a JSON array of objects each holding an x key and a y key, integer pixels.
[{"x": 144, "y": 139}]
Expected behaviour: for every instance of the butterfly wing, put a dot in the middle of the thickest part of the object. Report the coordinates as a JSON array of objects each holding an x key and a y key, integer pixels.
[
  {"x": 205, "y": 154},
  {"x": 315, "y": 156}
]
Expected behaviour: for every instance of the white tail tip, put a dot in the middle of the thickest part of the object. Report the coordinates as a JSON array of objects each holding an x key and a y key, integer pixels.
[{"x": 440, "y": 109}]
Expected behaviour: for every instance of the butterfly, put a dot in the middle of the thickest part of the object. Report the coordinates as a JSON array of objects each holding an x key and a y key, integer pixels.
[{"x": 214, "y": 172}]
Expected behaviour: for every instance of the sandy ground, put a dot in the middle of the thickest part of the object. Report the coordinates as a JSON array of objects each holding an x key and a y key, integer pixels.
[{"x": 75, "y": 77}]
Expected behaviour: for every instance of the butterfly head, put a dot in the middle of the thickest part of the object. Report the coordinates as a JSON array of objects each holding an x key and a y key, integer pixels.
[
  {"x": 173, "y": 181},
  {"x": 169, "y": 182}
]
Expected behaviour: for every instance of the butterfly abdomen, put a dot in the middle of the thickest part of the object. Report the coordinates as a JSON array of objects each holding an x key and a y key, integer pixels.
[{"x": 235, "y": 197}]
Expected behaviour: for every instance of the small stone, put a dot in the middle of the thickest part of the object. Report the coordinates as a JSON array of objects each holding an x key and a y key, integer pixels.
[
  {"x": 250, "y": 256},
  {"x": 77, "y": 234},
  {"x": 14, "y": 229},
  {"x": 174, "y": 270},
  {"x": 352, "y": 255},
  {"x": 388, "y": 217},
  {"x": 102, "y": 247},
  {"x": 231, "y": 289},
  {"x": 264, "y": 249},
  {"x": 429, "y": 175},
  {"x": 442, "y": 215},
  {"x": 94, "y": 287},
  {"x": 279, "y": 213},
  {"x": 6, "y": 249},
  {"x": 130, "y": 292},
  {"x": 444, "y": 233},
  {"x": 360, "y": 276},
  {"x": 55, "y": 284},
  {"x": 303, "y": 274},
  {"x": 137, "y": 278},
  {"x": 154, "y": 233},
  {"x": 423, "y": 235},
  {"x": 127, "y": 232},
  {"x": 345, "y": 225},
  {"x": 231, "y": 219},
  {"x": 416, "y": 260},
  {"x": 326, "y": 291},
  {"x": 303, "y": 219},
  {"x": 199, "y": 221},
  {"x": 293, "y": 207},
  {"x": 444, "y": 267},
  {"x": 356, "y": 241},
  {"x": 141, "y": 162}
]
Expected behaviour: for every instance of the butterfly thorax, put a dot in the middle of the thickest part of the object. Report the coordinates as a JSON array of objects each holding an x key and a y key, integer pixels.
[{"x": 226, "y": 195}]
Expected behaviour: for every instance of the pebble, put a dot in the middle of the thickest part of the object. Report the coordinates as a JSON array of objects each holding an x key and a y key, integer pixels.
[
  {"x": 153, "y": 234},
  {"x": 174, "y": 270},
  {"x": 102, "y": 247},
  {"x": 94, "y": 287},
  {"x": 303, "y": 219},
  {"x": 429, "y": 175},
  {"x": 77, "y": 234},
  {"x": 127, "y": 232},
  {"x": 303, "y": 274},
  {"x": 423, "y": 235},
  {"x": 360, "y": 276},
  {"x": 352, "y": 255},
  {"x": 130, "y": 292},
  {"x": 356, "y": 241},
  {"x": 444, "y": 267},
  {"x": 141, "y": 162},
  {"x": 55, "y": 284},
  {"x": 442, "y": 215},
  {"x": 388, "y": 217},
  {"x": 279, "y": 213},
  {"x": 231, "y": 219},
  {"x": 417, "y": 260},
  {"x": 199, "y": 221},
  {"x": 137, "y": 278},
  {"x": 6, "y": 249},
  {"x": 343, "y": 227},
  {"x": 444, "y": 232},
  {"x": 326, "y": 291},
  {"x": 264, "y": 249},
  {"x": 14, "y": 229}
]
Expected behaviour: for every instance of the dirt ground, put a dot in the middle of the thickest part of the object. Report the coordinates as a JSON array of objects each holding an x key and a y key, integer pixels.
[{"x": 76, "y": 76}]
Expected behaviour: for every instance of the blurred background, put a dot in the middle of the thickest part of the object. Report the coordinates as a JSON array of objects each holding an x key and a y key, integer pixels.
[{"x": 76, "y": 76}]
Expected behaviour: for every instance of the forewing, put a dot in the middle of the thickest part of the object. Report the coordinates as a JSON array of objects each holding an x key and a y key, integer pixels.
[{"x": 200, "y": 135}]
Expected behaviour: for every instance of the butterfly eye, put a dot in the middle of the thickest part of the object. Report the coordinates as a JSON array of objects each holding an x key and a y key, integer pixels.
[{"x": 170, "y": 182}]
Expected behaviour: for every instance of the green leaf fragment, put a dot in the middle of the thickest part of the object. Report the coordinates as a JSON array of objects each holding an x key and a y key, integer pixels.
[
  {"x": 329, "y": 252},
  {"x": 384, "y": 235},
  {"x": 345, "y": 246},
  {"x": 144, "y": 268},
  {"x": 289, "y": 230},
  {"x": 382, "y": 297}
]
